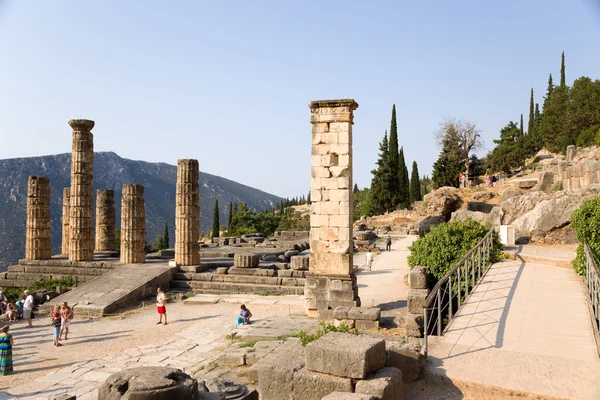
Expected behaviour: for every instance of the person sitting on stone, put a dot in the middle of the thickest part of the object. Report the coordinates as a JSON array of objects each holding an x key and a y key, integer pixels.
[{"x": 245, "y": 314}]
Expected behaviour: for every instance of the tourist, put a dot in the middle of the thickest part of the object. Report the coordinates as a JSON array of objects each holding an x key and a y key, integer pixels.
[
  {"x": 28, "y": 308},
  {"x": 369, "y": 260},
  {"x": 161, "y": 305},
  {"x": 66, "y": 315},
  {"x": 460, "y": 179},
  {"x": 56, "y": 324},
  {"x": 388, "y": 245},
  {"x": 3, "y": 301},
  {"x": 11, "y": 312},
  {"x": 245, "y": 314},
  {"x": 6, "y": 344}
]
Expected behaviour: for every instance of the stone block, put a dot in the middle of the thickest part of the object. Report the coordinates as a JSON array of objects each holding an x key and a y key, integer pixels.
[
  {"x": 348, "y": 322},
  {"x": 234, "y": 357},
  {"x": 418, "y": 278},
  {"x": 345, "y": 355},
  {"x": 414, "y": 325},
  {"x": 149, "y": 382},
  {"x": 362, "y": 324},
  {"x": 416, "y": 300},
  {"x": 362, "y": 313},
  {"x": 222, "y": 270},
  {"x": 310, "y": 385},
  {"x": 406, "y": 357},
  {"x": 275, "y": 372},
  {"x": 348, "y": 396},
  {"x": 341, "y": 313},
  {"x": 385, "y": 384},
  {"x": 242, "y": 260}
]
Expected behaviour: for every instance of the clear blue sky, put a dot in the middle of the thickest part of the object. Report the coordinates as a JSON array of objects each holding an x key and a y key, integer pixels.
[{"x": 228, "y": 82}]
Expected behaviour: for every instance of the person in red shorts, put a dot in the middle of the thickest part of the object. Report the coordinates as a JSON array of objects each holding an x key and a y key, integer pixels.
[{"x": 161, "y": 305}]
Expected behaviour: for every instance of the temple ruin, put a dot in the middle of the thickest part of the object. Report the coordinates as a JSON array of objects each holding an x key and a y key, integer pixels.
[
  {"x": 133, "y": 225},
  {"x": 187, "y": 213},
  {"x": 66, "y": 232},
  {"x": 38, "y": 244},
  {"x": 105, "y": 220}
]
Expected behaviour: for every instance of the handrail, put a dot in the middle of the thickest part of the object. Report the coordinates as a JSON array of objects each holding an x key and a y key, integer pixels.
[
  {"x": 592, "y": 284},
  {"x": 454, "y": 287}
]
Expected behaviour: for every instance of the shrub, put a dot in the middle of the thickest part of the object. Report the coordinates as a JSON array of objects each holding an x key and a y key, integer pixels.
[
  {"x": 586, "y": 224},
  {"x": 306, "y": 337},
  {"x": 446, "y": 244},
  {"x": 14, "y": 294},
  {"x": 557, "y": 187}
]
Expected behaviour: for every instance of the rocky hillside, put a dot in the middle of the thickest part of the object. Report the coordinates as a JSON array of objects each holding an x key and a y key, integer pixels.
[{"x": 110, "y": 172}]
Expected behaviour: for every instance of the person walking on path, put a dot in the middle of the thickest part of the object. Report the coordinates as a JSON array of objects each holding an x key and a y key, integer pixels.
[
  {"x": 369, "y": 260},
  {"x": 6, "y": 344},
  {"x": 28, "y": 308},
  {"x": 161, "y": 305},
  {"x": 388, "y": 246},
  {"x": 66, "y": 314},
  {"x": 56, "y": 324}
]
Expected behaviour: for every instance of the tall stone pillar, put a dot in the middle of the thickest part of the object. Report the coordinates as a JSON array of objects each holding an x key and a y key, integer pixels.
[
  {"x": 133, "y": 225},
  {"x": 105, "y": 220},
  {"x": 38, "y": 245},
  {"x": 81, "y": 221},
  {"x": 187, "y": 213},
  {"x": 66, "y": 232},
  {"x": 331, "y": 281}
]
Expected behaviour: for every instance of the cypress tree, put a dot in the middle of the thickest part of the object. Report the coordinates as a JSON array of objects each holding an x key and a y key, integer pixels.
[
  {"x": 531, "y": 122},
  {"x": 404, "y": 194},
  {"x": 165, "y": 238},
  {"x": 215, "y": 225},
  {"x": 521, "y": 126},
  {"x": 355, "y": 190},
  {"x": 415, "y": 184},
  {"x": 230, "y": 214},
  {"x": 394, "y": 157},
  {"x": 549, "y": 91},
  {"x": 381, "y": 195},
  {"x": 563, "y": 82}
]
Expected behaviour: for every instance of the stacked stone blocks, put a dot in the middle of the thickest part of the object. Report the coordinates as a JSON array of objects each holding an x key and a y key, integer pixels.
[
  {"x": 187, "y": 213},
  {"x": 419, "y": 290},
  {"x": 133, "y": 225},
  {"x": 245, "y": 260},
  {"x": 357, "y": 317},
  {"x": 105, "y": 220},
  {"x": 38, "y": 245},
  {"x": 66, "y": 232},
  {"x": 81, "y": 218}
]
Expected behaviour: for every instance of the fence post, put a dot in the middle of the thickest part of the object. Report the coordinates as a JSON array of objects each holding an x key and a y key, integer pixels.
[
  {"x": 450, "y": 300},
  {"x": 473, "y": 268},
  {"x": 439, "y": 316},
  {"x": 467, "y": 275},
  {"x": 459, "y": 291},
  {"x": 425, "y": 331}
]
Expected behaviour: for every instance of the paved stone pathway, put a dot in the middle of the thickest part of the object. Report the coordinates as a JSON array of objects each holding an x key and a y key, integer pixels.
[{"x": 526, "y": 327}]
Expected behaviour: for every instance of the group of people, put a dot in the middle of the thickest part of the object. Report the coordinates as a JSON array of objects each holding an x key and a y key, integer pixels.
[{"x": 61, "y": 321}]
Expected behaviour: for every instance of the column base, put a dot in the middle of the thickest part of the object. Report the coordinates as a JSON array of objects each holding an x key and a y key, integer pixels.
[{"x": 323, "y": 293}]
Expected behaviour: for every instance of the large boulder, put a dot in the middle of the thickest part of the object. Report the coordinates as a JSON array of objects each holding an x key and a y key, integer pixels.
[
  {"x": 425, "y": 225},
  {"x": 516, "y": 206},
  {"x": 149, "y": 383},
  {"x": 492, "y": 218},
  {"x": 443, "y": 201},
  {"x": 406, "y": 357}
]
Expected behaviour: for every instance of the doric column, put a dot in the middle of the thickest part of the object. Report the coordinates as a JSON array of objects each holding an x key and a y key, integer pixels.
[
  {"x": 133, "y": 225},
  {"x": 187, "y": 213},
  {"x": 331, "y": 281},
  {"x": 105, "y": 220},
  {"x": 81, "y": 221},
  {"x": 38, "y": 245},
  {"x": 65, "y": 221}
]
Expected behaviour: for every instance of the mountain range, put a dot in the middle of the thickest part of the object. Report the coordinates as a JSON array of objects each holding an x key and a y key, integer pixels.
[{"x": 111, "y": 172}]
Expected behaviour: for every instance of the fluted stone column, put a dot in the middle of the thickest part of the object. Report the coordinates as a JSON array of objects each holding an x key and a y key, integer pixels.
[
  {"x": 133, "y": 225},
  {"x": 105, "y": 220},
  {"x": 38, "y": 245},
  {"x": 187, "y": 213},
  {"x": 65, "y": 221},
  {"x": 81, "y": 221},
  {"x": 331, "y": 281}
]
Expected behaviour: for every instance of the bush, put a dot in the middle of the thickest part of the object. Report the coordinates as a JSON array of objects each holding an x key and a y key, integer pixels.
[
  {"x": 586, "y": 224},
  {"x": 306, "y": 337},
  {"x": 446, "y": 244},
  {"x": 15, "y": 294}
]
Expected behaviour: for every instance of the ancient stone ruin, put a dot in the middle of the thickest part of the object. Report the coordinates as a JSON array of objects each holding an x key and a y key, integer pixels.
[
  {"x": 38, "y": 244},
  {"x": 331, "y": 281},
  {"x": 66, "y": 232},
  {"x": 105, "y": 220},
  {"x": 133, "y": 225},
  {"x": 187, "y": 213}
]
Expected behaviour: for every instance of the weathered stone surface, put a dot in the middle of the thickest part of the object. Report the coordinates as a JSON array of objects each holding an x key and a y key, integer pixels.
[
  {"x": 385, "y": 384},
  {"x": 187, "y": 213},
  {"x": 509, "y": 194},
  {"x": 406, "y": 358},
  {"x": 414, "y": 324},
  {"x": 363, "y": 324},
  {"x": 348, "y": 396},
  {"x": 222, "y": 270},
  {"x": 418, "y": 278},
  {"x": 149, "y": 383},
  {"x": 243, "y": 260},
  {"x": 345, "y": 355},
  {"x": 133, "y": 225},
  {"x": 416, "y": 300},
  {"x": 341, "y": 313},
  {"x": 427, "y": 223},
  {"x": 493, "y": 218},
  {"x": 571, "y": 152},
  {"x": 105, "y": 220},
  {"x": 66, "y": 232},
  {"x": 363, "y": 313},
  {"x": 482, "y": 196},
  {"x": 443, "y": 201},
  {"x": 275, "y": 372},
  {"x": 310, "y": 385},
  {"x": 38, "y": 245},
  {"x": 300, "y": 263}
]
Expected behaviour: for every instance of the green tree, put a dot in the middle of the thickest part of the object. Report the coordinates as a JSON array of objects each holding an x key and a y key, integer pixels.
[
  {"x": 404, "y": 183},
  {"x": 415, "y": 184},
  {"x": 555, "y": 128},
  {"x": 394, "y": 159},
  {"x": 448, "y": 165},
  {"x": 230, "y": 214},
  {"x": 531, "y": 121},
  {"x": 165, "y": 238},
  {"x": 355, "y": 189},
  {"x": 216, "y": 224},
  {"x": 426, "y": 185},
  {"x": 381, "y": 183},
  {"x": 563, "y": 81},
  {"x": 507, "y": 154},
  {"x": 549, "y": 91},
  {"x": 584, "y": 109},
  {"x": 521, "y": 133}
]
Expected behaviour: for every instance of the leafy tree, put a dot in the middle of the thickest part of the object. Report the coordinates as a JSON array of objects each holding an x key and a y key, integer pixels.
[
  {"x": 382, "y": 180},
  {"x": 584, "y": 108},
  {"x": 415, "y": 184},
  {"x": 555, "y": 125},
  {"x": 586, "y": 224},
  {"x": 394, "y": 160},
  {"x": 507, "y": 154},
  {"x": 216, "y": 224},
  {"x": 404, "y": 183},
  {"x": 464, "y": 134},
  {"x": 355, "y": 190},
  {"x": 448, "y": 165}
]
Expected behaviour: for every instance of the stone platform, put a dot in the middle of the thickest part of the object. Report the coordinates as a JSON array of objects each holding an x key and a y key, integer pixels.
[{"x": 118, "y": 288}]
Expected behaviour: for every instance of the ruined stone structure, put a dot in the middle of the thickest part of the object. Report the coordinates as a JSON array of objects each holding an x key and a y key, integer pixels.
[
  {"x": 105, "y": 220},
  {"x": 133, "y": 224},
  {"x": 81, "y": 218},
  {"x": 38, "y": 245},
  {"x": 187, "y": 213},
  {"x": 65, "y": 221},
  {"x": 331, "y": 281}
]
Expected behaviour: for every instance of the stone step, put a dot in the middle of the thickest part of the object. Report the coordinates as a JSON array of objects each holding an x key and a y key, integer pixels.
[
  {"x": 559, "y": 255},
  {"x": 23, "y": 280},
  {"x": 19, "y": 269},
  {"x": 245, "y": 279},
  {"x": 231, "y": 287}
]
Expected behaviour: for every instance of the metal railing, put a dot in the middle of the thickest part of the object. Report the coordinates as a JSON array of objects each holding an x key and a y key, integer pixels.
[
  {"x": 592, "y": 284},
  {"x": 453, "y": 289}
]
